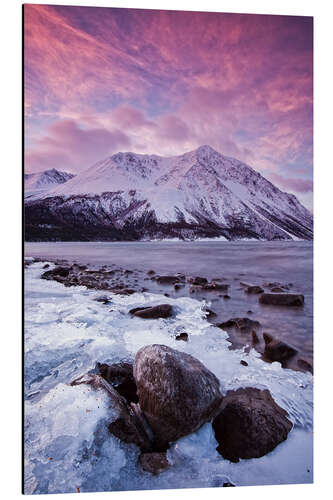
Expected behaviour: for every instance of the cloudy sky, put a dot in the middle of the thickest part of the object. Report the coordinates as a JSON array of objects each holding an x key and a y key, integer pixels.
[{"x": 103, "y": 80}]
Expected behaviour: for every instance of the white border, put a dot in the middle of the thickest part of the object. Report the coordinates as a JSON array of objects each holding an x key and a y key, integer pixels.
[{"x": 10, "y": 332}]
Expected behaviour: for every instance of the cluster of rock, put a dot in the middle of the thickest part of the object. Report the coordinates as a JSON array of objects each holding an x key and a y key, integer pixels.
[
  {"x": 197, "y": 284},
  {"x": 167, "y": 394},
  {"x": 97, "y": 279},
  {"x": 115, "y": 280},
  {"x": 274, "y": 349},
  {"x": 278, "y": 295},
  {"x": 125, "y": 282}
]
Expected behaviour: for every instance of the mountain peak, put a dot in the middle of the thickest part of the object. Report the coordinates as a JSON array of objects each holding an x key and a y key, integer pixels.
[
  {"x": 205, "y": 148},
  {"x": 37, "y": 183}
]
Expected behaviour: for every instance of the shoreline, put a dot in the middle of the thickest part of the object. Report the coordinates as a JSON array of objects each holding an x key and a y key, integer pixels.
[{"x": 114, "y": 278}]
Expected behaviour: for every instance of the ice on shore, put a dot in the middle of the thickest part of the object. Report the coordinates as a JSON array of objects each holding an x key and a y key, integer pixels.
[{"x": 67, "y": 445}]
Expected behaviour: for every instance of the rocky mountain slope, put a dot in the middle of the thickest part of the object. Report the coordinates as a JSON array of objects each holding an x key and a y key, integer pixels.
[{"x": 198, "y": 194}]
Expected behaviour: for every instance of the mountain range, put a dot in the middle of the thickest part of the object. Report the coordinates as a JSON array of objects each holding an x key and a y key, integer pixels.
[{"x": 129, "y": 196}]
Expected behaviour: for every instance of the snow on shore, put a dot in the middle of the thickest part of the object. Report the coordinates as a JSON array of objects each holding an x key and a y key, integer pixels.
[{"x": 67, "y": 446}]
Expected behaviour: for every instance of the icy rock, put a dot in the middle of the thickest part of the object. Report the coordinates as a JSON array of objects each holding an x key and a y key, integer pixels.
[
  {"x": 56, "y": 274},
  {"x": 177, "y": 393},
  {"x": 182, "y": 336},
  {"x": 160, "y": 311},
  {"x": 210, "y": 313},
  {"x": 250, "y": 424},
  {"x": 155, "y": 462}
]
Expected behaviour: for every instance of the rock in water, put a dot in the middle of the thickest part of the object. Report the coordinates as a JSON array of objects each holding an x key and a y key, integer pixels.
[
  {"x": 282, "y": 299},
  {"x": 254, "y": 289},
  {"x": 276, "y": 350},
  {"x": 177, "y": 393},
  {"x": 198, "y": 281},
  {"x": 250, "y": 424},
  {"x": 210, "y": 313},
  {"x": 242, "y": 324},
  {"x": 216, "y": 286}
]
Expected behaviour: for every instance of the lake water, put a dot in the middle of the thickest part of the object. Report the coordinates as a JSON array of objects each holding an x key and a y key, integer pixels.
[{"x": 252, "y": 262}]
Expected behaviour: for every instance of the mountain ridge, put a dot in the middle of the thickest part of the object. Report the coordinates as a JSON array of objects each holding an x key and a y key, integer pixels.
[{"x": 201, "y": 193}]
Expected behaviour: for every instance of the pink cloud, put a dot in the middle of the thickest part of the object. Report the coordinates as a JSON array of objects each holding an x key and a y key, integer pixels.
[
  {"x": 173, "y": 128},
  {"x": 129, "y": 118},
  {"x": 70, "y": 147},
  {"x": 165, "y": 82}
]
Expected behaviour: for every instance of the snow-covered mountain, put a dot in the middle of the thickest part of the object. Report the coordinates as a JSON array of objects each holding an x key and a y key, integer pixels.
[
  {"x": 39, "y": 183},
  {"x": 198, "y": 194}
]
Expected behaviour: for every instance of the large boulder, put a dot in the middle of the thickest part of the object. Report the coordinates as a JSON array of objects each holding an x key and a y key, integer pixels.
[
  {"x": 154, "y": 312},
  {"x": 250, "y": 424},
  {"x": 177, "y": 393},
  {"x": 277, "y": 350},
  {"x": 282, "y": 299}
]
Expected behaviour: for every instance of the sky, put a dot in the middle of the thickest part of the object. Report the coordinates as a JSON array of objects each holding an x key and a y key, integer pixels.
[{"x": 103, "y": 80}]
